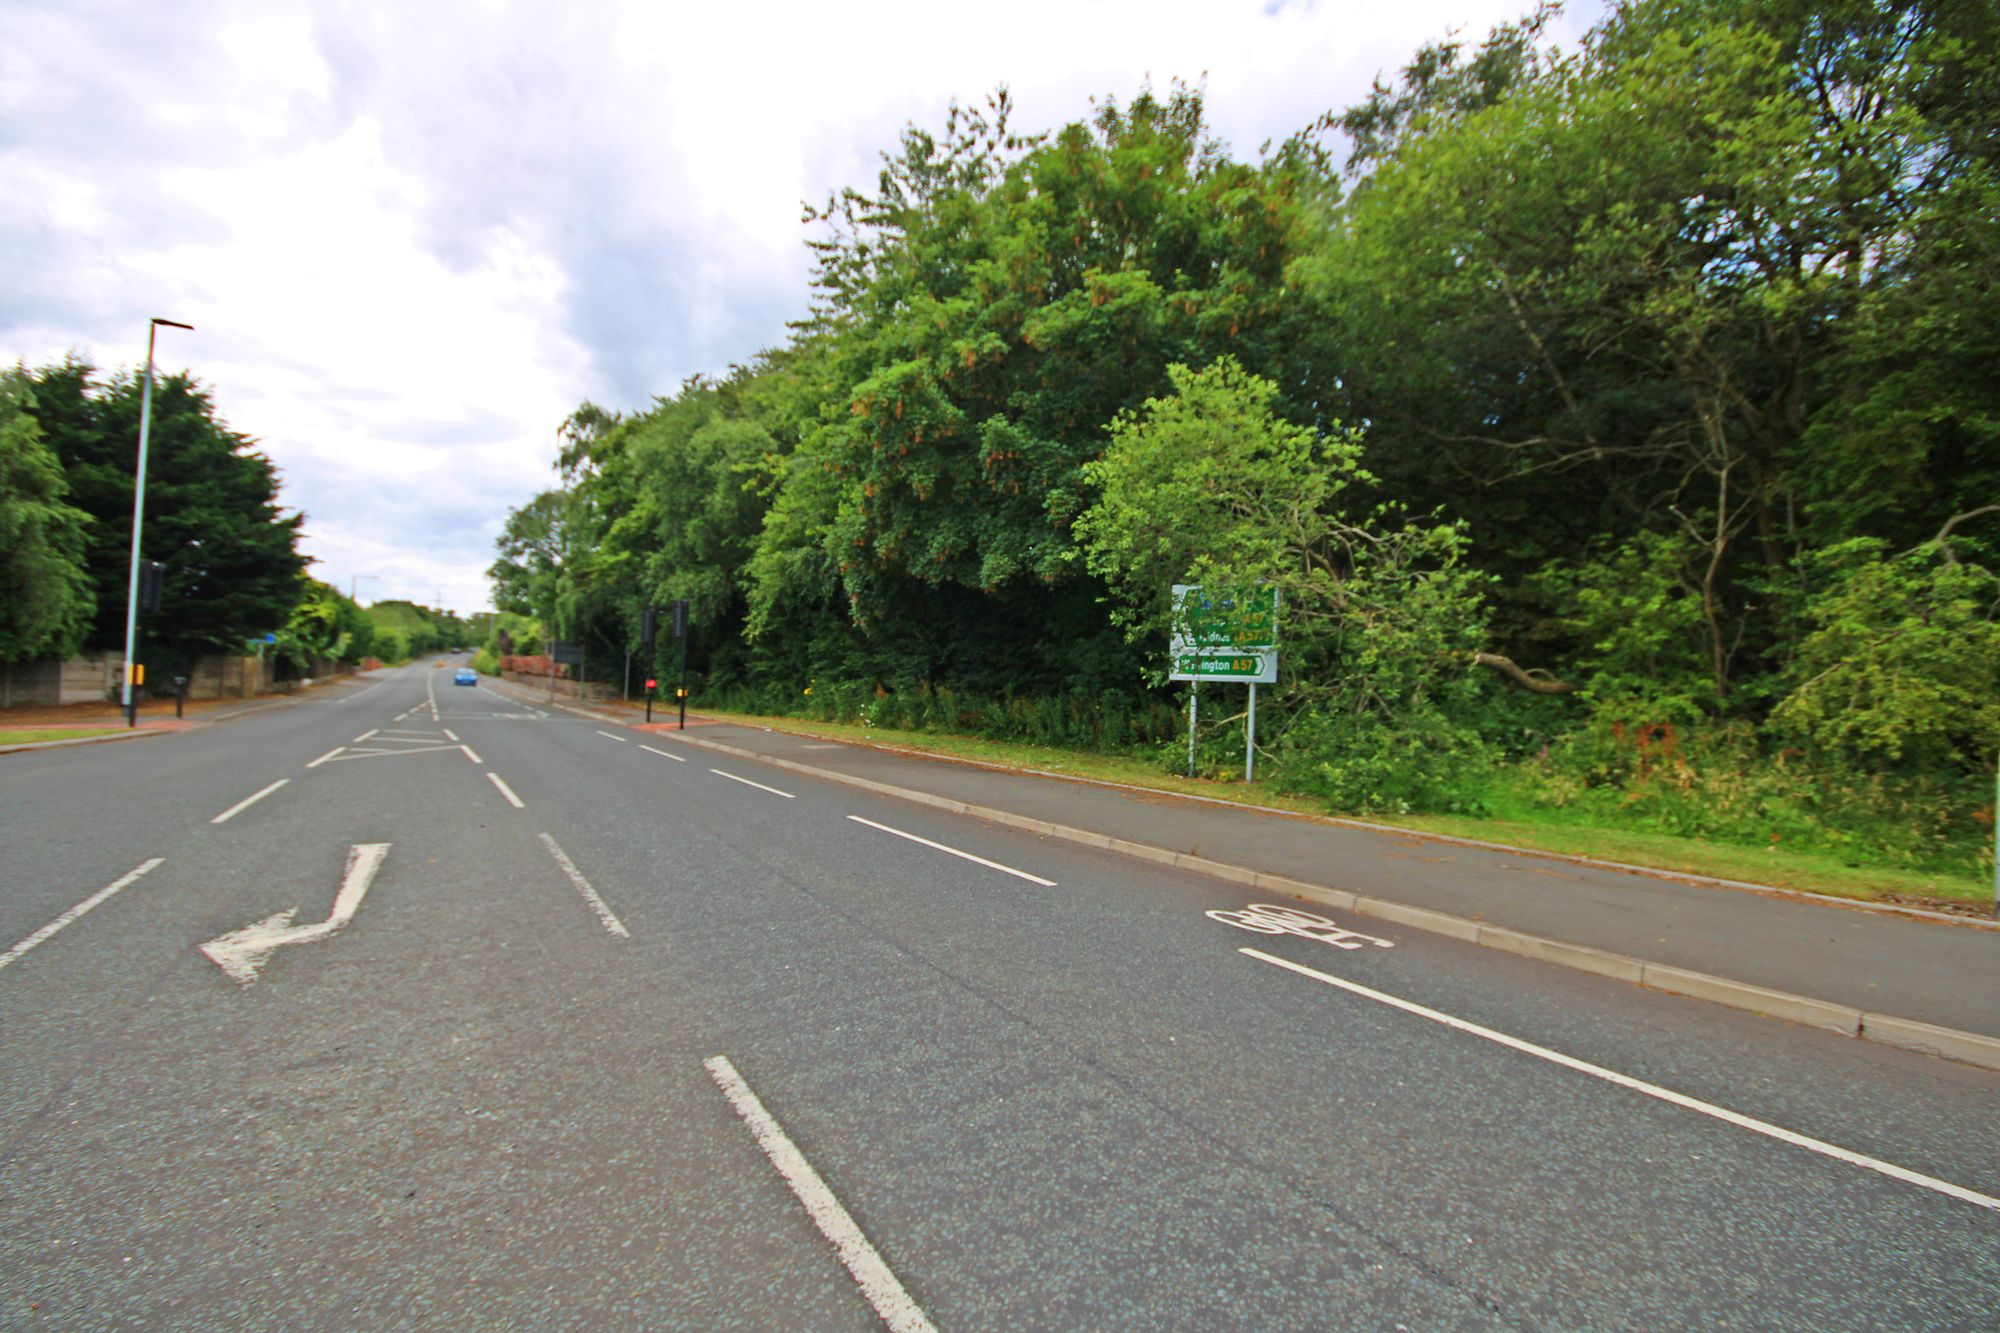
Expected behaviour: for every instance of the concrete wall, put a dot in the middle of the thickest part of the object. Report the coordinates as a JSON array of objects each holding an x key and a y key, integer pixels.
[
  {"x": 90, "y": 678},
  {"x": 94, "y": 677}
]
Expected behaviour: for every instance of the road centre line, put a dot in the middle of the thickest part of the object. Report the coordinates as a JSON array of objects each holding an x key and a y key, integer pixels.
[
  {"x": 568, "y": 867},
  {"x": 470, "y": 754},
  {"x": 328, "y": 755},
  {"x": 506, "y": 791},
  {"x": 991, "y": 865},
  {"x": 1721, "y": 1113},
  {"x": 366, "y": 735},
  {"x": 247, "y": 802},
  {"x": 679, "y": 759},
  {"x": 123, "y": 881},
  {"x": 607, "y": 735},
  {"x": 748, "y": 783},
  {"x": 898, "y": 1309}
]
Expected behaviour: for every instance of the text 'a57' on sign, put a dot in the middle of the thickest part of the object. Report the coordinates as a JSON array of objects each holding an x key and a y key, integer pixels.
[{"x": 1224, "y": 633}]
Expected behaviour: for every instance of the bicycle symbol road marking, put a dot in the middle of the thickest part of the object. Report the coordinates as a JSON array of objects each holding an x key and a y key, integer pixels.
[{"x": 1272, "y": 919}]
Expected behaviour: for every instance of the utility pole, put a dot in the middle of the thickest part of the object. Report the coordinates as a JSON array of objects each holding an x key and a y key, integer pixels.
[{"x": 139, "y": 516}]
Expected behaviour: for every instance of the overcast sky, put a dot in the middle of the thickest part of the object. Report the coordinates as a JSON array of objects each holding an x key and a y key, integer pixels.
[{"x": 413, "y": 237}]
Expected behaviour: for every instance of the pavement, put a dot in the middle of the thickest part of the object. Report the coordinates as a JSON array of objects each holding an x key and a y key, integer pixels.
[{"x": 1918, "y": 981}]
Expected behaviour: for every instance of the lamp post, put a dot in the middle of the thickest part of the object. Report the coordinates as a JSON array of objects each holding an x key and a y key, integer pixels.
[{"x": 139, "y": 516}]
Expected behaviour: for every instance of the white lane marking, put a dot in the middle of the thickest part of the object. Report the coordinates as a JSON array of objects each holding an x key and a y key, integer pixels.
[
  {"x": 243, "y": 950},
  {"x": 247, "y": 802},
  {"x": 899, "y": 1310},
  {"x": 1272, "y": 919},
  {"x": 507, "y": 791},
  {"x": 748, "y": 783},
  {"x": 469, "y": 754},
  {"x": 328, "y": 755},
  {"x": 366, "y": 735},
  {"x": 1680, "y": 1099},
  {"x": 991, "y": 865},
  {"x": 608, "y": 735},
  {"x": 123, "y": 881},
  {"x": 450, "y": 735},
  {"x": 604, "y": 914},
  {"x": 679, "y": 759},
  {"x": 430, "y": 694}
]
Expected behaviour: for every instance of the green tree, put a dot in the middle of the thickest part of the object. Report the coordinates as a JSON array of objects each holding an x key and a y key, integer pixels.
[
  {"x": 1380, "y": 617},
  {"x": 325, "y": 624},
  {"x": 45, "y": 594},
  {"x": 212, "y": 511},
  {"x": 984, "y": 315},
  {"x": 1901, "y": 666}
]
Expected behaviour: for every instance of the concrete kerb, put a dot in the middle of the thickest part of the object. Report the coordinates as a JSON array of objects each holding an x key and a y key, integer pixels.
[{"x": 1968, "y": 1047}]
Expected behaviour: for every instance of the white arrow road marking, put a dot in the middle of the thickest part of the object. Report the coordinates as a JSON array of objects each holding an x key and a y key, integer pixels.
[
  {"x": 1667, "y": 1095},
  {"x": 242, "y": 951}
]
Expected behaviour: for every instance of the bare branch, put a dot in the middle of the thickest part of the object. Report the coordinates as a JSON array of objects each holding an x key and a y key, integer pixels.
[
  {"x": 1539, "y": 681},
  {"x": 1944, "y": 533}
]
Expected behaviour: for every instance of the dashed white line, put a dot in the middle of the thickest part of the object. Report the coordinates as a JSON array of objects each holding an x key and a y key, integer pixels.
[
  {"x": 247, "y": 802},
  {"x": 507, "y": 791},
  {"x": 608, "y": 736},
  {"x": 450, "y": 735},
  {"x": 470, "y": 754},
  {"x": 1680, "y": 1099},
  {"x": 991, "y": 865},
  {"x": 367, "y": 734},
  {"x": 123, "y": 881},
  {"x": 898, "y": 1309},
  {"x": 679, "y": 759},
  {"x": 328, "y": 755},
  {"x": 748, "y": 783},
  {"x": 604, "y": 914}
]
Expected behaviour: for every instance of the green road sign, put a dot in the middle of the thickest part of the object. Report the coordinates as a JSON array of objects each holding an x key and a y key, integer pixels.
[{"x": 1222, "y": 633}]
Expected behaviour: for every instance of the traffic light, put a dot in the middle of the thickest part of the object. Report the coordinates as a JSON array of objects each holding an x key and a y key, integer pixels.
[
  {"x": 650, "y": 627},
  {"x": 152, "y": 577},
  {"x": 681, "y": 619}
]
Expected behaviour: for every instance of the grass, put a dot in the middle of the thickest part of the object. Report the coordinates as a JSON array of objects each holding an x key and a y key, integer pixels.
[
  {"x": 1546, "y": 831},
  {"x": 33, "y": 735}
]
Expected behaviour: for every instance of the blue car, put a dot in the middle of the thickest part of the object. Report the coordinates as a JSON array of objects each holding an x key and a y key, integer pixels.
[{"x": 465, "y": 676}]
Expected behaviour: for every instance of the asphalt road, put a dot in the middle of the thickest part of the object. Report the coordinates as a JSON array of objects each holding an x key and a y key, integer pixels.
[{"x": 600, "y": 1030}]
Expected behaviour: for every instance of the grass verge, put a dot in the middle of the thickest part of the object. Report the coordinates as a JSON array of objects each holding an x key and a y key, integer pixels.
[
  {"x": 1546, "y": 831},
  {"x": 36, "y": 735}
]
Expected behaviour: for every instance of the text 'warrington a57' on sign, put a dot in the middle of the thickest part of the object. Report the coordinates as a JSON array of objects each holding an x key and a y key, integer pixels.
[{"x": 1224, "y": 633}]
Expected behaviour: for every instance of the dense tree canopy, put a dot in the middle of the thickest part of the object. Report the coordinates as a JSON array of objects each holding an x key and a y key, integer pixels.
[
  {"x": 213, "y": 519},
  {"x": 1655, "y": 374},
  {"x": 45, "y": 592}
]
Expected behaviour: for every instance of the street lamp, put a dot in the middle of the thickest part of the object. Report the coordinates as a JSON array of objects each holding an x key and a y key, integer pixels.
[{"x": 139, "y": 515}]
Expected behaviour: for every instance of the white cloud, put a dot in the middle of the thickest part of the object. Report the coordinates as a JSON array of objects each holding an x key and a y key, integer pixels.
[{"x": 413, "y": 238}]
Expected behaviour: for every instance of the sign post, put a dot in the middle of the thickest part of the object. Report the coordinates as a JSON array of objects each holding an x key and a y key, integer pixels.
[{"x": 1225, "y": 633}]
